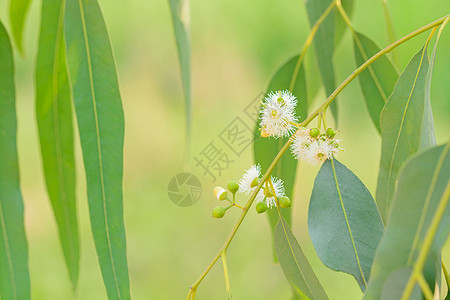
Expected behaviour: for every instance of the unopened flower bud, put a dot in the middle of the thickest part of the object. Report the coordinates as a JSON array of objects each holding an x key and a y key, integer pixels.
[
  {"x": 233, "y": 186},
  {"x": 218, "y": 212},
  {"x": 261, "y": 207},
  {"x": 331, "y": 133},
  {"x": 284, "y": 202},
  {"x": 314, "y": 132}
]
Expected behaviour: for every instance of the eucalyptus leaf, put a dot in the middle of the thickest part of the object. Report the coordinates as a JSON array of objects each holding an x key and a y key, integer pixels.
[
  {"x": 54, "y": 120},
  {"x": 421, "y": 185},
  {"x": 395, "y": 284},
  {"x": 294, "y": 264},
  {"x": 340, "y": 24},
  {"x": 265, "y": 149},
  {"x": 14, "y": 275},
  {"x": 378, "y": 80},
  {"x": 324, "y": 45},
  {"x": 101, "y": 126},
  {"x": 344, "y": 223},
  {"x": 18, "y": 10},
  {"x": 401, "y": 126},
  {"x": 180, "y": 18}
]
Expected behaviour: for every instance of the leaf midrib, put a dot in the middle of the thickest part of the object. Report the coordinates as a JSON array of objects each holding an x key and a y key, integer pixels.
[
  {"x": 348, "y": 224},
  {"x": 94, "y": 105},
  {"x": 402, "y": 121}
]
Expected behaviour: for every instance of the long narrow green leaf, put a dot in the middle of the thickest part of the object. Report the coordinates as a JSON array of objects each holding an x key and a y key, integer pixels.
[
  {"x": 101, "y": 125},
  {"x": 344, "y": 223},
  {"x": 401, "y": 126},
  {"x": 265, "y": 149},
  {"x": 421, "y": 184},
  {"x": 54, "y": 119},
  {"x": 180, "y": 19},
  {"x": 14, "y": 276},
  {"x": 378, "y": 80},
  {"x": 428, "y": 138},
  {"x": 18, "y": 10},
  {"x": 294, "y": 264},
  {"x": 324, "y": 45},
  {"x": 396, "y": 282}
]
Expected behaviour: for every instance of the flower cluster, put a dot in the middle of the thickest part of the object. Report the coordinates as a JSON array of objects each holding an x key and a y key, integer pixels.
[
  {"x": 314, "y": 148},
  {"x": 278, "y": 114}
]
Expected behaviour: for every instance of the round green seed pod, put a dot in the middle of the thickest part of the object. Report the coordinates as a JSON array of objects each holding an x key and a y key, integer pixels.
[
  {"x": 261, "y": 207},
  {"x": 331, "y": 133},
  {"x": 233, "y": 186},
  {"x": 314, "y": 132},
  {"x": 284, "y": 202},
  {"x": 218, "y": 212}
]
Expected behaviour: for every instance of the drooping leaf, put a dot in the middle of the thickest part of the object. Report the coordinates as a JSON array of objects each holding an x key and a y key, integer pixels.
[
  {"x": 265, "y": 149},
  {"x": 14, "y": 276},
  {"x": 340, "y": 24},
  {"x": 180, "y": 19},
  {"x": 344, "y": 223},
  {"x": 54, "y": 119},
  {"x": 401, "y": 126},
  {"x": 18, "y": 10},
  {"x": 378, "y": 80},
  {"x": 294, "y": 264},
  {"x": 101, "y": 125},
  {"x": 324, "y": 45},
  {"x": 421, "y": 185}
]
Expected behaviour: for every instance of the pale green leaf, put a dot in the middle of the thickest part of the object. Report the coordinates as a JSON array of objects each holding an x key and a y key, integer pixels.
[
  {"x": 101, "y": 125},
  {"x": 344, "y": 223},
  {"x": 395, "y": 284},
  {"x": 14, "y": 276},
  {"x": 378, "y": 80},
  {"x": 18, "y": 10},
  {"x": 421, "y": 185},
  {"x": 294, "y": 264},
  {"x": 54, "y": 119},
  {"x": 324, "y": 45},
  {"x": 265, "y": 149},
  {"x": 180, "y": 18},
  {"x": 401, "y": 126}
]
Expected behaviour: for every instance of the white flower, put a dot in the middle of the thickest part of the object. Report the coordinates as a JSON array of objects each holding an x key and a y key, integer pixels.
[
  {"x": 314, "y": 151},
  {"x": 278, "y": 114},
  {"x": 301, "y": 143},
  {"x": 269, "y": 198},
  {"x": 250, "y": 179}
]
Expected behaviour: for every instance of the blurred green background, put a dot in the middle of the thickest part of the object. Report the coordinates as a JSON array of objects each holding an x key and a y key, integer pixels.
[{"x": 236, "y": 47}]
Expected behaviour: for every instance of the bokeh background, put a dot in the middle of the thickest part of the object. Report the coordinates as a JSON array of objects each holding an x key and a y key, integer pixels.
[{"x": 236, "y": 47}]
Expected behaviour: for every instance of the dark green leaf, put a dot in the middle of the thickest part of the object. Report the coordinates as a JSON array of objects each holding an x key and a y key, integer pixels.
[
  {"x": 18, "y": 10},
  {"x": 265, "y": 149},
  {"x": 344, "y": 223},
  {"x": 14, "y": 276},
  {"x": 180, "y": 18},
  {"x": 401, "y": 126},
  {"x": 420, "y": 187},
  {"x": 54, "y": 119},
  {"x": 324, "y": 45},
  {"x": 378, "y": 80},
  {"x": 101, "y": 125},
  {"x": 295, "y": 266}
]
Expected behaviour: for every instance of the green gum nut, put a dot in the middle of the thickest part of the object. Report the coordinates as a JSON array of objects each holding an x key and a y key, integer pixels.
[
  {"x": 218, "y": 212},
  {"x": 261, "y": 207},
  {"x": 331, "y": 133},
  {"x": 284, "y": 202},
  {"x": 233, "y": 186},
  {"x": 314, "y": 132}
]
